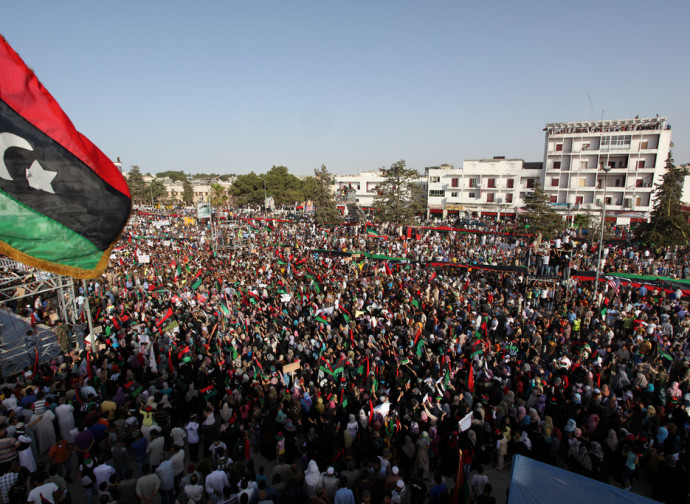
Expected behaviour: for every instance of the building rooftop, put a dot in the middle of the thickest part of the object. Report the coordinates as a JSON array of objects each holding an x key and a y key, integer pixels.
[
  {"x": 533, "y": 165},
  {"x": 493, "y": 159},
  {"x": 637, "y": 124}
]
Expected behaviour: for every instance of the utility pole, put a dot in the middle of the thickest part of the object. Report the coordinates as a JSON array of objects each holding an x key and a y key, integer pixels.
[{"x": 601, "y": 231}]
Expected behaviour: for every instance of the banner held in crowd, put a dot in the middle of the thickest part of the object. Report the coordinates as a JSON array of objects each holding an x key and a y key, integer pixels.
[{"x": 63, "y": 203}]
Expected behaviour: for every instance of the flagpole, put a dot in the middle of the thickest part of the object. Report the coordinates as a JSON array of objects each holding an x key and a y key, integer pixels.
[
  {"x": 88, "y": 315},
  {"x": 601, "y": 232}
]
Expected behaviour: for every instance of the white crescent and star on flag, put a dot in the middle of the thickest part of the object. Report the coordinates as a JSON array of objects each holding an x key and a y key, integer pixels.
[{"x": 36, "y": 176}]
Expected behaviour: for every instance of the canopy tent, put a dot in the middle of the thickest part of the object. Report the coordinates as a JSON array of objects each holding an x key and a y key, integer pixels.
[{"x": 534, "y": 482}]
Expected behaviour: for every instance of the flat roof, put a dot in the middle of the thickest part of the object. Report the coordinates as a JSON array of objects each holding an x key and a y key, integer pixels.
[{"x": 636, "y": 123}]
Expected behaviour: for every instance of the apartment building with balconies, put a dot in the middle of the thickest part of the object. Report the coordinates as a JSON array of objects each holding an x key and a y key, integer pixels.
[
  {"x": 618, "y": 161},
  {"x": 486, "y": 187}
]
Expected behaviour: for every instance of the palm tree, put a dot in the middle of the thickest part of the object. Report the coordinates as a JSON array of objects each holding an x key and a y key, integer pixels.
[
  {"x": 218, "y": 196},
  {"x": 580, "y": 221}
]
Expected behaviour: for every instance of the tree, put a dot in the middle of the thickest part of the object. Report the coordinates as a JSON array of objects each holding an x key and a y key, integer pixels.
[
  {"x": 157, "y": 191},
  {"x": 400, "y": 197},
  {"x": 174, "y": 175},
  {"x": 318, "y": 189},
  {"x": 282, "y": 185},
  {"x": 667, "y": 225},
  {"x": 539, "y": 215},
  {"x": 248, "y": 189},
  {"x": 187, "y": 192},
  {"x": 322, "y": 190},
  {"x": 217, "y": 196},
  {"x": 582, "y": 221},
  {"x": 137, "y": 185}
]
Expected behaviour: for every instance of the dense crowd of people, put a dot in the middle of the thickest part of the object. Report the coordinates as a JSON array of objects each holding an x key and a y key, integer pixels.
[{"x": 361, "y": 363}]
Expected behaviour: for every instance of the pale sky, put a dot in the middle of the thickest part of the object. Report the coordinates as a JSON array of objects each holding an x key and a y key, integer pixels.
[{"x": 232, "y": 87}]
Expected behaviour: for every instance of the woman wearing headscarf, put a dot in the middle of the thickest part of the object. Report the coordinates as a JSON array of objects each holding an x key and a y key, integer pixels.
[
  {"x": 592, "y": 424},
  {"x": 610, "y": 447},
  {"x": 422, "y": 459},
  {"x": 407, "y": 459},
  {"x": 313, "y": 480},
  {"x": 596, "y": 454}
]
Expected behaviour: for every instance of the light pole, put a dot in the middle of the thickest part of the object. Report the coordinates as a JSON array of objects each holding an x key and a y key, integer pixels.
[
  {"x": 262, "y": 180},
  {"x": 601, "y": 232}
]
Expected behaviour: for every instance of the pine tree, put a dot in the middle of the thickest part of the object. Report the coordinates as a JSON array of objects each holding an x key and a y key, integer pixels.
[
  {"x": 539, "y": 215},
  {"x": 137, "y": 186},
  {"x": 667, "y": 226},
  {"x": 187, "y": 192},
  {"x": 322, "y": 196},
  {"x": 400, "y": 196}
]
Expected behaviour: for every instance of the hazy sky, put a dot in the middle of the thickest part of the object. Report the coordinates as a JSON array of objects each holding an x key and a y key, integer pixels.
[{"x": 230, "y": 87}]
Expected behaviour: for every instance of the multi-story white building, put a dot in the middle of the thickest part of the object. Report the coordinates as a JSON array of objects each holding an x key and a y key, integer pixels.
[
  {"x": 485, "y": 187},
  {"x": 358, "y": 188},
  {"x": 619, "y": 160}
]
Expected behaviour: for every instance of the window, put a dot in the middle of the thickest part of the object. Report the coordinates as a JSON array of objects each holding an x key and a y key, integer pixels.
[
  {"x": 616, "y": 141},
  {"x": 509, "y": 198},
  {"x": 556, "y": 165},
  {"x": 578, "y": 200},
  {"x": 509, "y": 183},
  {"x": 638, "y": 183},
  {"x": 434, "y": 180},
  {"x": 559, "y": 147},
  {"x": 644, "y": 144},
  {"x": 553, "y": 199},
  {"x": 530, "y": 183},
  {"x": 492, "y": 183},
  {"x": 584, "y": 164},
  {"x": 640, "y": 163},
  {"x": 490, "y": 197},
  {"x": 474, "y": 182},
  {"x": 472, "y": 195},
  {"x": 454, "y": 195},
  {"x": 554, "y": 182},
  {"x": 437, "y": 193},
  {"x": 454, "y": 182},
  {"x": 582, "y": 182},
  {"x": 585, "y": 146}
]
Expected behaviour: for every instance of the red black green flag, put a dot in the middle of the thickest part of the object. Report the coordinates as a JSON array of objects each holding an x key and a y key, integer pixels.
[{"x": 63, "y": 203}]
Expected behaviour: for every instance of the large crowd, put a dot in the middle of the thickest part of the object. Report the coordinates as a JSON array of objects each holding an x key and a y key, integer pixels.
[{"x": 296, "y": 363}]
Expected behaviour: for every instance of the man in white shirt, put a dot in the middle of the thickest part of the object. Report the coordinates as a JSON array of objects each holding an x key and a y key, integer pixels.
[
  {"x": 177, "y": 459},
  {"x": 155, "y": 449},
  {"x": 193, "y": 490},
  {"x": 192, "y": 429},
  {"x": 478, "y": 482},
  {"x": 215, "y": 482},
  {"x": 102, "y": 472},
  {"x": 43, "y": 493}
]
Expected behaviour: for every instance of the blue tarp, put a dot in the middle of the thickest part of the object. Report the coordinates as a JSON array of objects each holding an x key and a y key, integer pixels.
[{"x": 534, "y": 482}]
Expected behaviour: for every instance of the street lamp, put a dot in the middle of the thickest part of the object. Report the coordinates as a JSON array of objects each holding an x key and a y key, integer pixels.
[
  {"x": 606, "y": 169},
  {"x": 262, "y": 180}
]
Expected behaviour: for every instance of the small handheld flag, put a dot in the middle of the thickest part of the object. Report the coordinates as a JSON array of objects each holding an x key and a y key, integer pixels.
[{"x": 63, "y": 203}]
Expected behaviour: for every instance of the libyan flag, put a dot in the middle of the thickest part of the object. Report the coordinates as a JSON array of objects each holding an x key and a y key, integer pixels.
[{"x": 63, "y": 203}]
